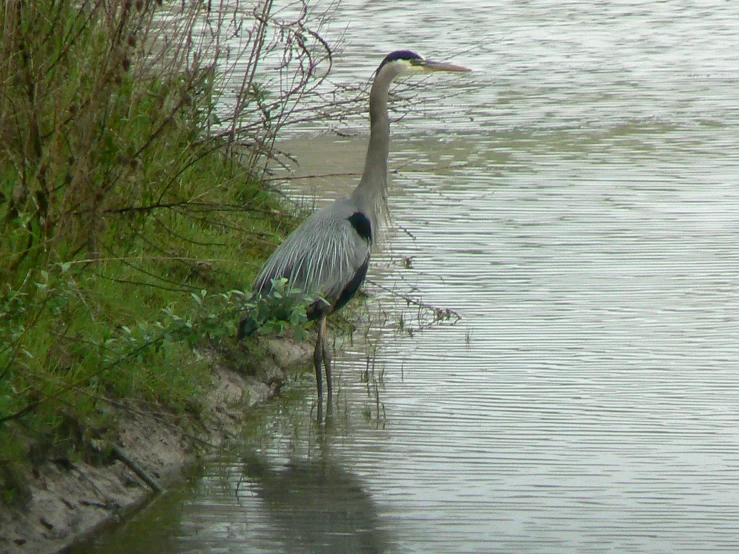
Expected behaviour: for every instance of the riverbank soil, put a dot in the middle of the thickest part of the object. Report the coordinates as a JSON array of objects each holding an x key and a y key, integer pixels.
[{"x": 63, "y": 501}]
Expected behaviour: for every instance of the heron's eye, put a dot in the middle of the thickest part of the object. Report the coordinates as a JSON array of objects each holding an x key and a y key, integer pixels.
[{"x": 416, "y": 61}]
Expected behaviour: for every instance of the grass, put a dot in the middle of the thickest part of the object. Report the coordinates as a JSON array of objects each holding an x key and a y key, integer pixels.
[{"x": 132, "y": 211}]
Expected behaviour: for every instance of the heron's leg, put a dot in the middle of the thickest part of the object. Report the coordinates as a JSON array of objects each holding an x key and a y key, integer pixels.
[
  {"x": 318, "y": 356},
  {"x": 326, "y": 354}
]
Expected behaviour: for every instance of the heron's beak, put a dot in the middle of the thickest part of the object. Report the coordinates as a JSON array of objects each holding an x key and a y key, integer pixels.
[{"x": 430, "y": 65}]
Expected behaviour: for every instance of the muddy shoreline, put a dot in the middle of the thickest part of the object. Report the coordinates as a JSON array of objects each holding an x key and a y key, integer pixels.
[{"x": 69, "y": 501}]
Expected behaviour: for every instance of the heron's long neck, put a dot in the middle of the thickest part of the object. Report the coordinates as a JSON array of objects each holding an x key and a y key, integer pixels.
[{"x": 371, "y": 193}]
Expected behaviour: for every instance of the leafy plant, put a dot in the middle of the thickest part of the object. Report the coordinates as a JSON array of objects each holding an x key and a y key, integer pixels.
[
  {"x": 284, "y": 308},
  {"x": 134, "y": 142}
]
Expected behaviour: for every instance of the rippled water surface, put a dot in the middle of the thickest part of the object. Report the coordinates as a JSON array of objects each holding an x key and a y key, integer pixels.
[{"x": 576, "y": 201}]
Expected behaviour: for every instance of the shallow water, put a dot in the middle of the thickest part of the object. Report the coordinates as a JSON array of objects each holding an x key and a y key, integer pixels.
[{"x": 575, "y": 201}]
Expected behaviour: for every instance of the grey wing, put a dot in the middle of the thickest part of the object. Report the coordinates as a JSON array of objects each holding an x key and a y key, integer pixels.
[{"x": 321, "y": 257}]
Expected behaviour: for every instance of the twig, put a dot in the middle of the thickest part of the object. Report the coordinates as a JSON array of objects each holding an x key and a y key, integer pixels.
[
  {"x": 137, "y": 469},
  {"x": 440, "y": 313},
  {"x": 314, "y": 176}
]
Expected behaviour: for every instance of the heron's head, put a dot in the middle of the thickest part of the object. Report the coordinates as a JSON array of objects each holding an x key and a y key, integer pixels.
[{"x": 405, "y": 62}]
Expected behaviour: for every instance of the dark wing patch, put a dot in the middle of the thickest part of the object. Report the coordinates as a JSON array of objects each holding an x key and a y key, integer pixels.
[
  {"x": 319, "y": 308},
  {"x": 362, "y": 225},
  {"x": 352, "y": 286}
]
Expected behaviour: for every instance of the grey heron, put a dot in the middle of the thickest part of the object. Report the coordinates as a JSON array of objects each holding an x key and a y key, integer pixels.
[{"x": 328, "y": 254}]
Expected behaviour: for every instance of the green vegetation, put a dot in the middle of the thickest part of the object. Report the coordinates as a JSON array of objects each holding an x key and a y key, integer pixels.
[{"x": 132, "y": 211}]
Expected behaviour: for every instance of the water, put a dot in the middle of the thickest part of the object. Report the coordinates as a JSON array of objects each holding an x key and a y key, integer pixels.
[{"x": 575, "y": 201}]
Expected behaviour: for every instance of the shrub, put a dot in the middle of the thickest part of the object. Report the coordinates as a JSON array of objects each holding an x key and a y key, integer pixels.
[{"x": 132, "y": 161}]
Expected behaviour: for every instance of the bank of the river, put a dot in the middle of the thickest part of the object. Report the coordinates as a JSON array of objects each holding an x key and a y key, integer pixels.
[
  {"x": 134, "y": 213},
  {"x": 70, "y": 500}
]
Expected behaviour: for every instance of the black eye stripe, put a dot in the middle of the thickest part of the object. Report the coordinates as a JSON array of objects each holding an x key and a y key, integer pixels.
[{"x": 401, "y": 55}]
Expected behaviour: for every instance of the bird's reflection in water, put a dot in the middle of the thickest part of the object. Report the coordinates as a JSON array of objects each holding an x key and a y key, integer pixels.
[{"x": 317, "y": 506}]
